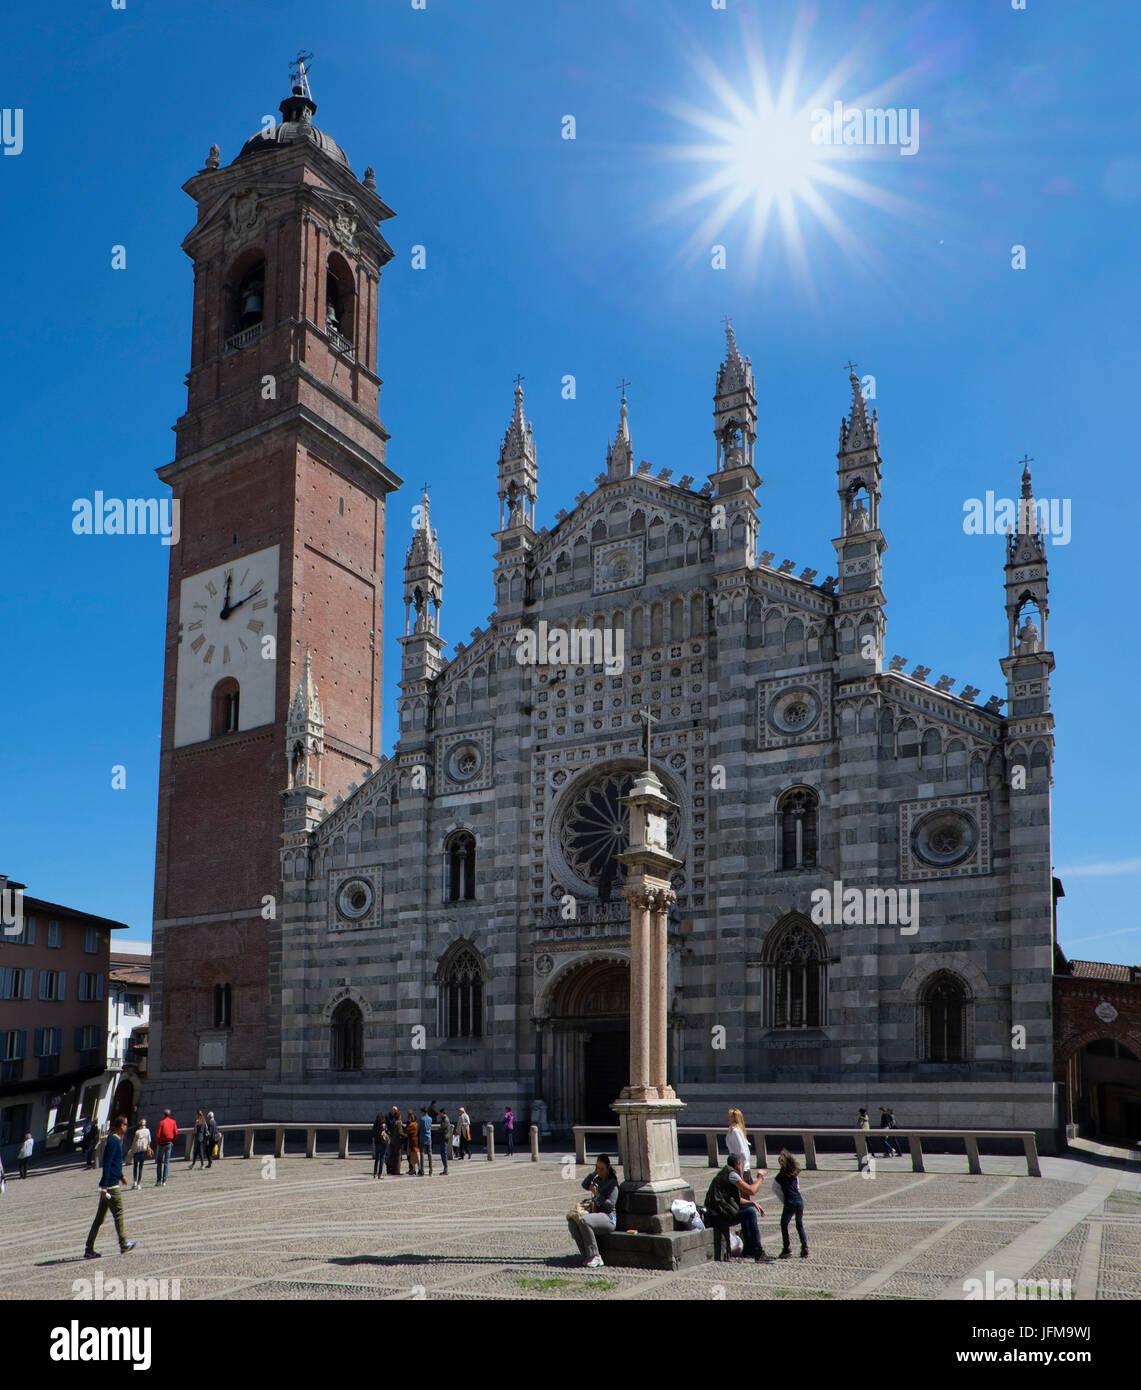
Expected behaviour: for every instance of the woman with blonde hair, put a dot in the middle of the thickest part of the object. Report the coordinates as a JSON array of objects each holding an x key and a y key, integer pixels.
[{"x": 736, "y": 1140}]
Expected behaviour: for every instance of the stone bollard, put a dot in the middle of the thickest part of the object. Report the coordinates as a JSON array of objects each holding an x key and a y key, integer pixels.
[
  {"x": 489, "y": 1130},
  {"x": 534, "y": 1143}
]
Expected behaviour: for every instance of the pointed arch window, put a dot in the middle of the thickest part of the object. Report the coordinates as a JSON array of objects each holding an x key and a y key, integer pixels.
[
  {"x": 944, "y": 1019},
  {"x": 460, "y": 995},
  {"x": 459, "y": 851},
  {"x": 794, "y": 964},
  {"x": 797, "y": 817},
  {"x": 346, "y": 1038}
]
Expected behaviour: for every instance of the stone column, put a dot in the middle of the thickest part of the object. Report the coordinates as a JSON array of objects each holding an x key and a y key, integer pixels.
[
  {"x": 662, "y": 899},
  {"x": 641, "y": 1012}
]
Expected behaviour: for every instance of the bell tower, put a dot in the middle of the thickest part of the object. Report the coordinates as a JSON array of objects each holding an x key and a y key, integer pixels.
[{"x": 277, "y": 584}]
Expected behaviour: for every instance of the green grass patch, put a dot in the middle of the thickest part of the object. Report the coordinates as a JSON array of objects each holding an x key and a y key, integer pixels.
[
  {"x": 548, "y": 1285},
  {"x": 802, "y": 1293}
]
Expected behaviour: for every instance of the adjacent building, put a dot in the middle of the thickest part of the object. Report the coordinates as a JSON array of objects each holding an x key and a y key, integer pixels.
[{"x": 54, "y": 968}]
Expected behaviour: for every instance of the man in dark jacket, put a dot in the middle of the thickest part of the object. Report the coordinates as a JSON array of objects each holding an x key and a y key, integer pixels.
[
  {"x": 211, "y": 1138},
  {"x": 110, "y": 1197},
  {"x": 887, "y": 1123},
  {"x": 728, "y": 1202},
  {"x": 443, "y": 1131}
]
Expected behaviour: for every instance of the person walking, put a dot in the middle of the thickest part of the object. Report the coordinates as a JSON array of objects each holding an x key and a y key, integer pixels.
[
  {"x": 787, "y": 1186},
  {"x": 509, "y": 1125},
  {"x": 463, "y": 1125},
  {"x": 24, "y": 1156},
  {"x": 597, "y": 1213},
  {"x": 444, "y": 1130},
  {"x": 90, "y": 1140},
  {"x": 425, "y": 1137},
  {"x": 140, "y": 1152},
  {"x": 379, "y": 1145},
  {"x": 199, "y": 1152},
  {"x": 865, "y": 1124},
  {"x": 165, "y": 1136},
  {"x": 110, "y": 1195},
  {"x": 887, "y": 1124},
  {"x": 213, "y": 1139},
  {"x": 395, "y": 1140},
  {"x": 412, "y": 1134}
]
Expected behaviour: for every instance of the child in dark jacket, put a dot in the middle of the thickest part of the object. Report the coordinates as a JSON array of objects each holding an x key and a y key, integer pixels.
[{"x": 786, "y": 1184}]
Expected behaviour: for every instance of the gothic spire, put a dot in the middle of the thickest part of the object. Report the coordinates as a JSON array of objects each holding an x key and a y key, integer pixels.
[
  {"x": 620, "y": 454},
  {"x": 306, "y": 703},
  {"x": 517, "y": 442},
  {"x": 858, "y": 432},
  {"x": 735, "y": 373}
]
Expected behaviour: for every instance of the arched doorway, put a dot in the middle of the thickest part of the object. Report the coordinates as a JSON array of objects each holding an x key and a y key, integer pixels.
[
  {"x": 590, "y": 1042},
  {"x": 1104, "y": 1079},
  {"x": 124, "y": 1102}
]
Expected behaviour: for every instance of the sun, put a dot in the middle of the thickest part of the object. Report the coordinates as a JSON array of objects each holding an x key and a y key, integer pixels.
[{"x": 760, "y": 167}]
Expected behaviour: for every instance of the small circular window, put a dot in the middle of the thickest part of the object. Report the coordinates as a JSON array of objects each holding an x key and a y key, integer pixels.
[
  {"x": 944, "y": 838},
  {"x": 464, "y": 762},
  {"x": 355, "y": 898},
  {"x": 794, "y": 711}
]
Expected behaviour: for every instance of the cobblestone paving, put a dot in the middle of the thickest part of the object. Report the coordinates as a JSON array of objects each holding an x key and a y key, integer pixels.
[{"x": 323, "y": 1228}]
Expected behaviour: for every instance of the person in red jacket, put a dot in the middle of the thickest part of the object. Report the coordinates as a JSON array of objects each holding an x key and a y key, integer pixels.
[{"x": 165, "y": 1135}]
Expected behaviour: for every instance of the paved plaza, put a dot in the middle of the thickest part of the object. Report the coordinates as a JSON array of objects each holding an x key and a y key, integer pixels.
[{"x": 324, "y": 1228}]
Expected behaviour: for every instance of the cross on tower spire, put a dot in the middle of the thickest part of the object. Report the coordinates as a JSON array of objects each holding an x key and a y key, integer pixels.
[{"x": 299, "y": 73}]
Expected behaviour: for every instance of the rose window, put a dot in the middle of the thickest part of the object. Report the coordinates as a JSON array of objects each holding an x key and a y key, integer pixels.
[{"x": 595, "y": 829}]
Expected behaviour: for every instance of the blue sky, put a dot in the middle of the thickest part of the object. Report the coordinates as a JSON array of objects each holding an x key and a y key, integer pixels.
[{"x": 551, "y": 257}]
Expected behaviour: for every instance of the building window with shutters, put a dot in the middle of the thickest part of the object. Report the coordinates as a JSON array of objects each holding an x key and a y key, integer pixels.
[
  {"x": 53, "y": 985},
  {"x": 55, "y": 935},
  {"x": 91, "y": 941},
  {"x": 13, "y": 1045},
  {"x": 49, "y": 1044},
  {"x": 15, "y": 983}
]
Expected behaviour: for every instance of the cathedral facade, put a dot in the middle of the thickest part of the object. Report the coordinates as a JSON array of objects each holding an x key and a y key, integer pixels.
[{"x": 863, "y": 912}]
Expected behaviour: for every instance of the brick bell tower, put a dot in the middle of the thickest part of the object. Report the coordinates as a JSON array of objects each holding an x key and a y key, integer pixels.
[{"x": 277, "y": 579}]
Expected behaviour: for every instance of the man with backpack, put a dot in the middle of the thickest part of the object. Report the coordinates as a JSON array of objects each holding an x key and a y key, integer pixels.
[
  {"x": 728, "y": 1202},
  {"x": 887, "y": 1124}
]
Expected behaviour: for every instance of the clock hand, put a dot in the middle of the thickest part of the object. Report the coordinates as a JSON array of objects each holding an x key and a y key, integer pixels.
[{"x": 233, "y": 607}]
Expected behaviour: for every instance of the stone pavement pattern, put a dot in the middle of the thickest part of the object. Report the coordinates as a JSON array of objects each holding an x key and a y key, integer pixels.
[{"x": 324, "y": 1228}]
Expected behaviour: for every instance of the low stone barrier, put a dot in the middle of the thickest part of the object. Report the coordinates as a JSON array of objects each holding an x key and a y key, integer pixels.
[{"x": 808, "y": 1137}]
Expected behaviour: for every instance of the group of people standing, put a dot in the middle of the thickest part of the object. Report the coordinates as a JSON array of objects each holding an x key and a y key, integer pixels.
[
  {"x": 730, "y": 1199},
  {"x": 412, "y": 1138}
]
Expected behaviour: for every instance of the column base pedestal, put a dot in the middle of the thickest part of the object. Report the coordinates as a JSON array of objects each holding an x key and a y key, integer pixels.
[{"x": 645, "y": 1236}]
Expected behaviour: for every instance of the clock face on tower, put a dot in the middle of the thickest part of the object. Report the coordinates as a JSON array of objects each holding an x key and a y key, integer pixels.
[{"x": 225, "y": 614}]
